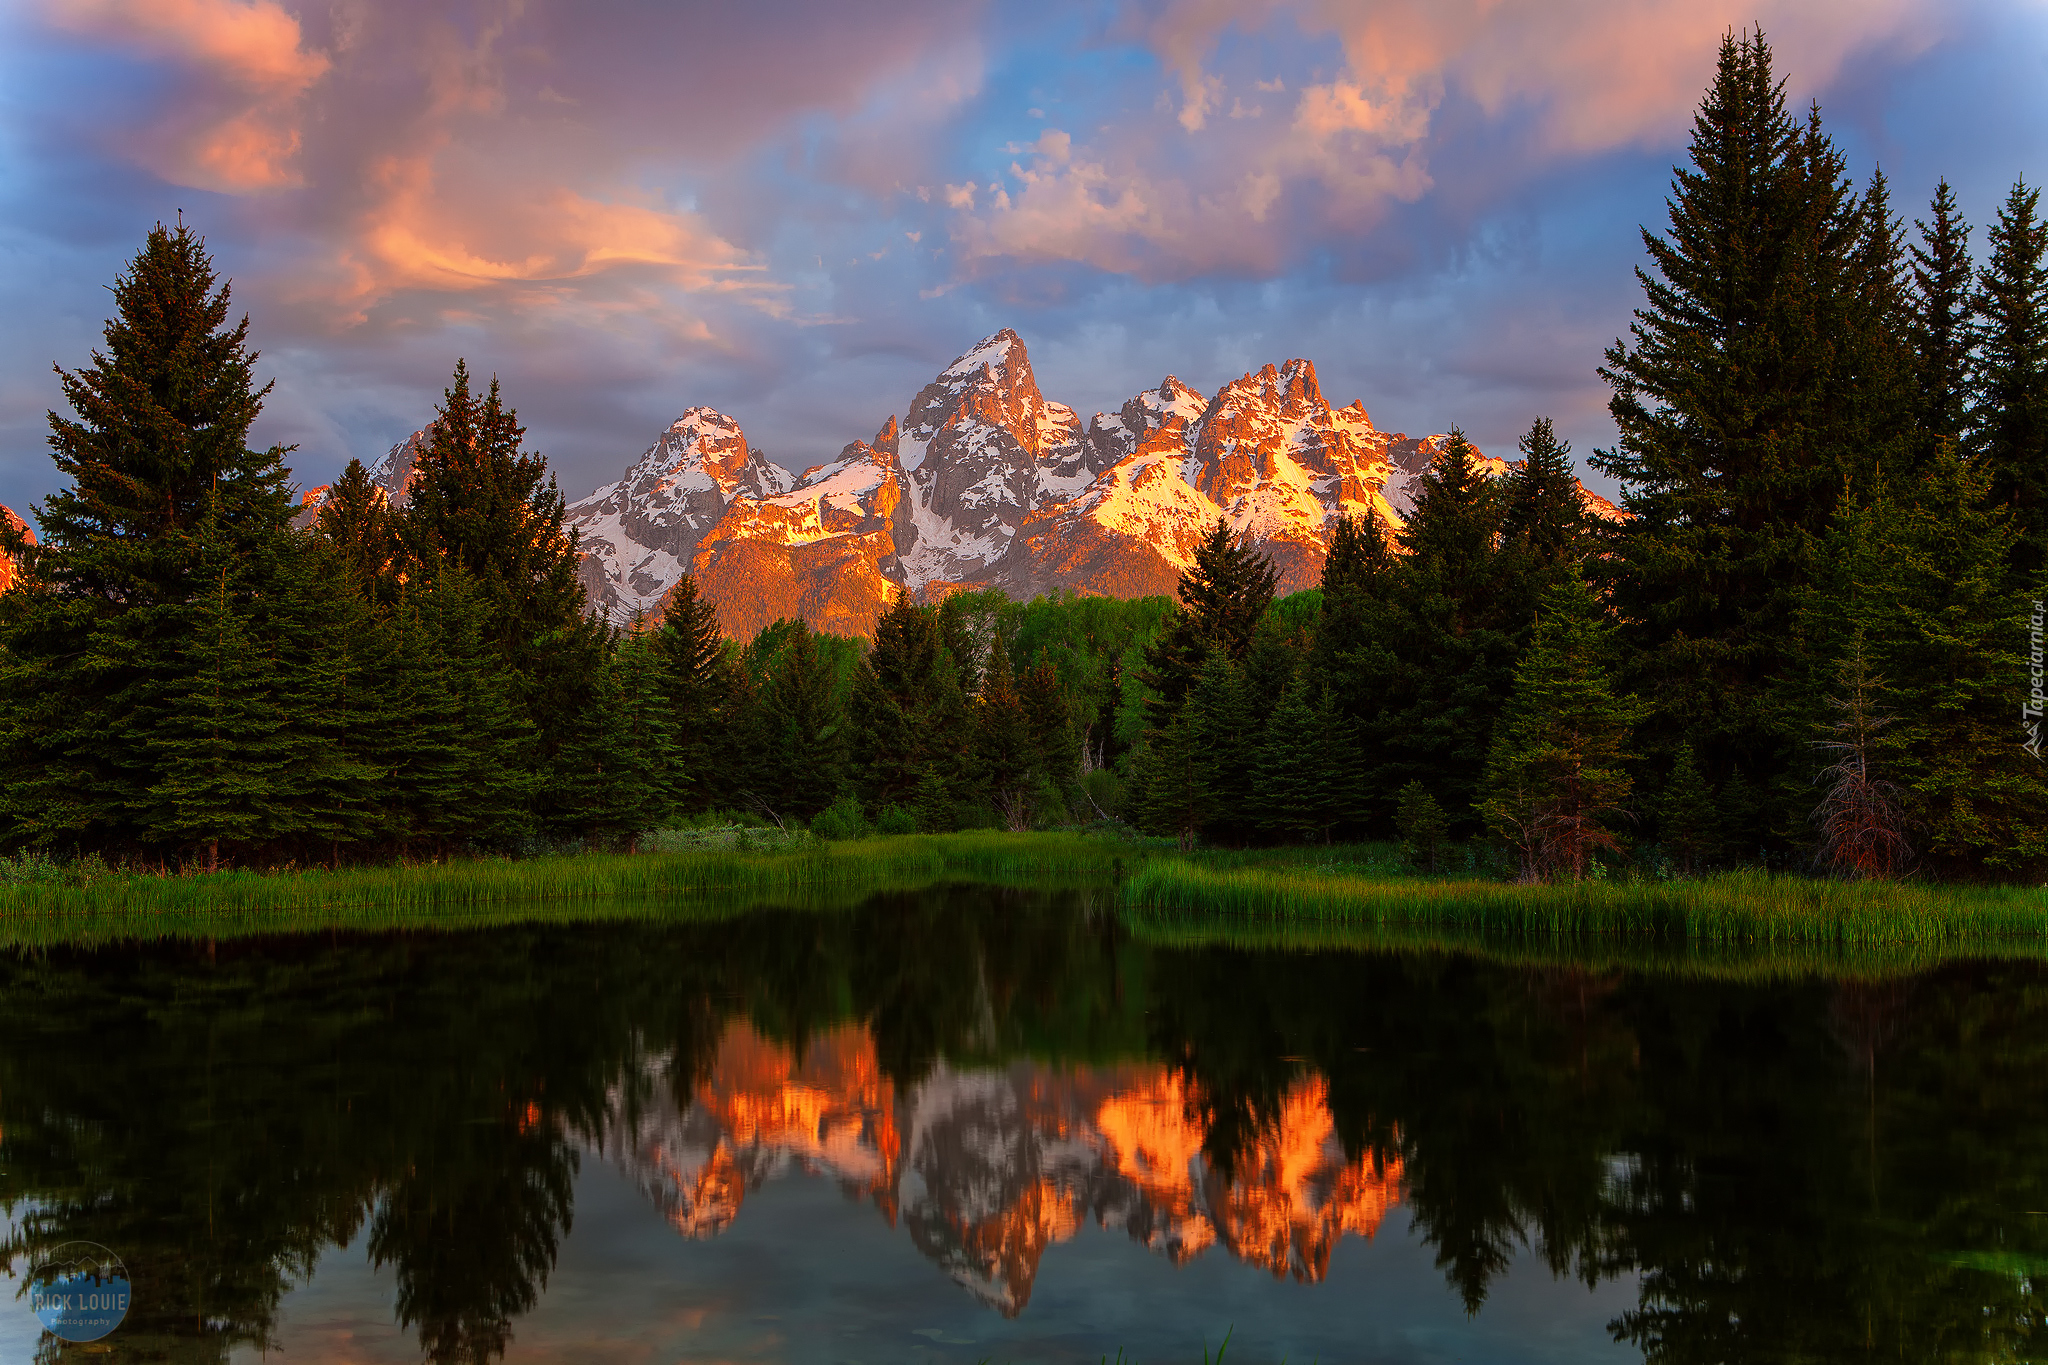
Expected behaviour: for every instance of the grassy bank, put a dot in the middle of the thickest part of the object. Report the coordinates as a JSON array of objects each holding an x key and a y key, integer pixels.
[
  {"x": 1737, "y": 908},
  {"x": 1302, "y": 898},
  {"x": 709, "y": 879}
]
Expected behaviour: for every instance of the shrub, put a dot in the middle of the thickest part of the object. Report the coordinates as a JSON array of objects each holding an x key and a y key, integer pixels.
[
  {"x": 843, "y": 819},
  {"x": 895, "y": 819}
]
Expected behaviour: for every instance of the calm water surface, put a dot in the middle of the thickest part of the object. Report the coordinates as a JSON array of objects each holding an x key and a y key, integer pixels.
[{"x": 971, "y": 1123}]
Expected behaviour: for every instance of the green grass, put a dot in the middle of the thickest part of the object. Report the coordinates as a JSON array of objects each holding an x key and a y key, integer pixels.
[
  {"x": 1352, "y": 897},
  {"x": 91, "y": 904},
  {"x": 1736, "y": 908}
]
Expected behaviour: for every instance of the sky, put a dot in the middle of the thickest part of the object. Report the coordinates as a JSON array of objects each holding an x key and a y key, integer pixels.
[{"x": 798, "y": 211}]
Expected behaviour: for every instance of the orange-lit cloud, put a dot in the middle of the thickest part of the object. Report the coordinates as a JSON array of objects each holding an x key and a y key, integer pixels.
[
  {"x": 1177, "y": 190},
  {"x": 243, "y": 135}
]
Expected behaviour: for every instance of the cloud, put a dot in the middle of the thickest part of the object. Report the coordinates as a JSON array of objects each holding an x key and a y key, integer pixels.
[
  {"x": 1170, "y": 192},
  {"x": 238, "y": 128}
]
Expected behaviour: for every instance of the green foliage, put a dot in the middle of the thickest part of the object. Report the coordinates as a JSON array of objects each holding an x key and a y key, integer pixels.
[
  {"x": 1939, "y": 322},
  {"x": 843, "y": 819},
  {"x": 1687, "y": 823},
  {"x": 1557, "y": 776},
  {"x": 1224, "y": 595},
  {"x": 1759, "y": 378},
  {"x": 2009, "y": 417},
  {"x": 1424, "y": 826}
]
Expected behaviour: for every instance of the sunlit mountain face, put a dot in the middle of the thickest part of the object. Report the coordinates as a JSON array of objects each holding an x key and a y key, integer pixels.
[{"x": 986, "y": 1169}]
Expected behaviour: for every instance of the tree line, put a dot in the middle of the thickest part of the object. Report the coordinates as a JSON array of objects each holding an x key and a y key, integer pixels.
[{"x": 1806, "y": 643}]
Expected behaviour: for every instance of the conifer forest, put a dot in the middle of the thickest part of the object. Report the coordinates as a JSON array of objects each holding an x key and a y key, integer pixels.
[{"x": 1813, "y": 642}]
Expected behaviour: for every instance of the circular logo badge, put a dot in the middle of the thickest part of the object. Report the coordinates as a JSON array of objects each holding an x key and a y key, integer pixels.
[{"x": 79, "y": 1290}]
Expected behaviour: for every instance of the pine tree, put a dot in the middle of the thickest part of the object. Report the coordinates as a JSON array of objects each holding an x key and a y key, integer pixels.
[
  {"x": 1861, "y": 819},
  {"x": 156, "y": 446},
  {"x": 1432, "y": 684},
  {"x": 1006, "y": 753},
  {"x": 1542, "y": 517},
  {"x": 1423, "y": 825},
  {"x": 1918, "y": 585},
  {"x": 1741, "y": 412},
  {"x": 1291, "y": 773},
  {"x": 932, "y": 799},
  {"x": 908, "y": 715},
  {"x": 356, "y": 520},
  {"x": 1556, "y": 777},
  {"x": 480, "y": 505},
  {"x": 327, "y": 650},
  {"x": 1055, "y": 742},
  {"x": 2009, "y": 413},
  {"x": 804, "y": 732},
  {"x": 1686, "y": 819},
  {"x": 220, "y": 743},
  {"x": 702, "y": 678},
  {"x": 1223, "y": 596},
  {"x": 461, "y": 753},
  {"x": 1942, "y": 319},
  {"x": 1171, "y": 786}
]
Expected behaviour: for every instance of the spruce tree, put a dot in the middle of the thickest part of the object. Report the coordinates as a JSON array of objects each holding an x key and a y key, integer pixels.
[
  {"x": 699, "y": 672},
  {"x": 94, "y": 651},
  {"x": 1050, "y": 714},
  {"x": 1687, "y": 823},
  {"x": 907, "y": 714},
  {"x": 1942, "y": 319},
  {"x": 1542, "y": 517},
  {"x": 1171, "y": 787},
  {"x": 1006, "y": 753},
  {"x": 1433, "y": 683},
  {"x": 1223, "y": 596},
  {"x": 219, "y": 743},
  {"x": 804, "y": 733},
  {"x": 1291, "y": 774},
  {"x": 1423, "y": 825},
  {"x": 356, "y": 520},
  {"x": 1918, "y": 585},
  {"x": 1557, "y": 778},
  {"x": 1741, "y": 413},
  {"x": 2009, "y": 413}
]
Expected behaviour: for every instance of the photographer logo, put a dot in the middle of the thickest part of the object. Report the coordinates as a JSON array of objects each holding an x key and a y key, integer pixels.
[{"x": 79, "y": 1291}]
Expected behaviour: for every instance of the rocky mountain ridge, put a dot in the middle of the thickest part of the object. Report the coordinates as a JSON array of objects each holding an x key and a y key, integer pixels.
[
  {"x": 985, "y": 483},
  {"x": 988, "y": 483}
]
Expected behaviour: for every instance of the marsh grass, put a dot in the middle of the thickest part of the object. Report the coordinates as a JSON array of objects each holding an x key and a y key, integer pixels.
[
  {"x": 1352, "y": 896},
  {"x": 1737, "y": 908},
  {"x": 712, "y": 879}
]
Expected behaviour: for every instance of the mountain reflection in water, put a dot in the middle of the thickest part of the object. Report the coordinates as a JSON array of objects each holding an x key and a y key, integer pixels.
[
  {"x": 987, "y": 1168},
  {"x": 1794, "y": 1167}
]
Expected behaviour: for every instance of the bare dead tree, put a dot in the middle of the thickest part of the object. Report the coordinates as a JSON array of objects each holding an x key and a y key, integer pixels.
[{"x": 1861, "y": 816}]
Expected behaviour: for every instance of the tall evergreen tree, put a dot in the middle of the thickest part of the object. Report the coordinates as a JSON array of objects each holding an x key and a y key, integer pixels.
[
  {"x": 1740, "y": 411},
  {"x": 1942, "y": 318},
  {"x": 1918, "y": 586},
  {"x": 1542, "y": 518},
  {"x": 2009, "y": 414},
  {"x": 805, "y": 734},
  {"x": 356, "y": 519},
  {"x": 220, "y": 743},
  {"x": 156, "y": 448},
  {"x": 703, "y": 686},
  {"x": 908, "y": 715},
  {"x": 1006, "y": 753},
  {"x": 1223, "y": 596},
  {"x": 1557, "y": 776}
]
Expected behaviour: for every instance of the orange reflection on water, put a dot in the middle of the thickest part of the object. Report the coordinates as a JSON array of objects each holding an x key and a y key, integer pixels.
[{"x": 990, "y": 1167}]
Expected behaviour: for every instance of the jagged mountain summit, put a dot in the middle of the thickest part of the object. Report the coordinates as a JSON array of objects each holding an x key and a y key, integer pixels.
[
  {"x": 988, "y": 483},
  {"x": 8, "y": 569}
]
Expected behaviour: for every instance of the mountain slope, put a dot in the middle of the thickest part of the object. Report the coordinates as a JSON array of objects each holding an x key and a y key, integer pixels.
[{"x": 988, "y": 483}]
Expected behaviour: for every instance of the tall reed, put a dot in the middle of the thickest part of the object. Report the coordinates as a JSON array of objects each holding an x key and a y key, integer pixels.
[
  {"x": 718, "y": 880},
  {"x": 1740, "y": 907}
]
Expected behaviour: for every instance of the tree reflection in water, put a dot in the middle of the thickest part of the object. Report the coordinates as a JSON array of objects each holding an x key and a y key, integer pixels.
[{"x": 1796, "y": 1169}]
